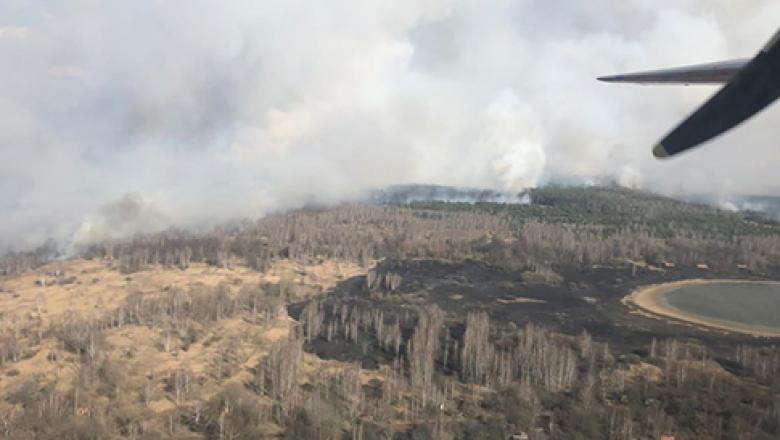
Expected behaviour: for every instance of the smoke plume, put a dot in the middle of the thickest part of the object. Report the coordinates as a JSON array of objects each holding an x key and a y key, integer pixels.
[{"x": 118, "y": 117}]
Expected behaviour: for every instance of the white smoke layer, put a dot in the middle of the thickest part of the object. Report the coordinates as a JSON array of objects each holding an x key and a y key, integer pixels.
[{"x": 208, "y": 110}]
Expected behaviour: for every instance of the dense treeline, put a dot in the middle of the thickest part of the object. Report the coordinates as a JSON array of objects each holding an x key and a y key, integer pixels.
[
  {"x": 352, "y": 232},
  {"x": 579, "y": 226},
  {"x": 562, "y": 226},
  {"x": 597, "y": 225},
  {"x": 616, "y": 208}
]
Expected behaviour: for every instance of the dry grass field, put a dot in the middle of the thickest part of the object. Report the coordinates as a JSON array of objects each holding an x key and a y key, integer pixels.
[{"x": 141, "y": 361}]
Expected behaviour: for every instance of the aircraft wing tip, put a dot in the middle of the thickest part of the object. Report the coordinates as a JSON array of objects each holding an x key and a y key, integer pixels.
[{"x": 660, "y": 152}]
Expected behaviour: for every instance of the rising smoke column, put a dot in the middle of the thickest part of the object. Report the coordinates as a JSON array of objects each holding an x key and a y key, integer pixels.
[{"x": 205, "y": 111}]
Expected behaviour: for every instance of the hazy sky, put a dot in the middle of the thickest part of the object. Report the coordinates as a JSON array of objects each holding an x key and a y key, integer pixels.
[{"x": 136, "y": 115}]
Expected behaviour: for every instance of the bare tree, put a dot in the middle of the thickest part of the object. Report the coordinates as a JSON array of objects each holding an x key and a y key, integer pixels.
[{"x": 422, "y": 349}]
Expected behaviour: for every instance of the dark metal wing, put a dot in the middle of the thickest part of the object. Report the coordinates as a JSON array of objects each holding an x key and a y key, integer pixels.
[
  {"x": 710, "y": 73},
  {"x": 751, "y": 90}
]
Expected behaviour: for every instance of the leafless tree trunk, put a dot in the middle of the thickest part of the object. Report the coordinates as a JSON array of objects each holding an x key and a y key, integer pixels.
[{"x": 423, "y": 348}]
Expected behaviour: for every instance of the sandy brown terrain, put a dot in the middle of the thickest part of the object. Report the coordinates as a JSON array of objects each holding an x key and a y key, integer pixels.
[
  {"x": 92, "y": 286},
  {"x": 143, "y": 358}
]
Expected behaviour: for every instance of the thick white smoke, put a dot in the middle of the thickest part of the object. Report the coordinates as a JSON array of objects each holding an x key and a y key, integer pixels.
[
  {"x": 513, "y": 133},
  {"x": 208, "y": 110}
]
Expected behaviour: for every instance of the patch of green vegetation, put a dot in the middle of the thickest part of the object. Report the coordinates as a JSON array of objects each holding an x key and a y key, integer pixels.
[{"x": 615, "y": 209}]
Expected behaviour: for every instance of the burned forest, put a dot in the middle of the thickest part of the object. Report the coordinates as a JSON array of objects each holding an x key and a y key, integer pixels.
[{"x": 393, "y": 319}]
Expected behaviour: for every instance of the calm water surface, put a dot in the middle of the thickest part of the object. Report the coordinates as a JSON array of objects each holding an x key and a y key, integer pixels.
[{"x": 753, "y": 304}]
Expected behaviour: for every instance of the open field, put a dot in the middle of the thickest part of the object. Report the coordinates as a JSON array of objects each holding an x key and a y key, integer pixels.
[
  {"x": 90, "y": 287},
  {"x": 46, "y": 315}
]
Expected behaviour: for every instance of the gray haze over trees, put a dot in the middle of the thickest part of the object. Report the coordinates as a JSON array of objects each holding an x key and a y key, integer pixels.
[{"x": 134, "y": 116}]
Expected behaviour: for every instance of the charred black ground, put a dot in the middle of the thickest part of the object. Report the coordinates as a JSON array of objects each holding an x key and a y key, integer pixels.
[{"x": 586, "y": 300}]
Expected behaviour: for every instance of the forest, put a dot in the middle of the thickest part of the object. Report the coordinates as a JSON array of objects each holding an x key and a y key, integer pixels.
[{"x": 487, "y": 320}]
